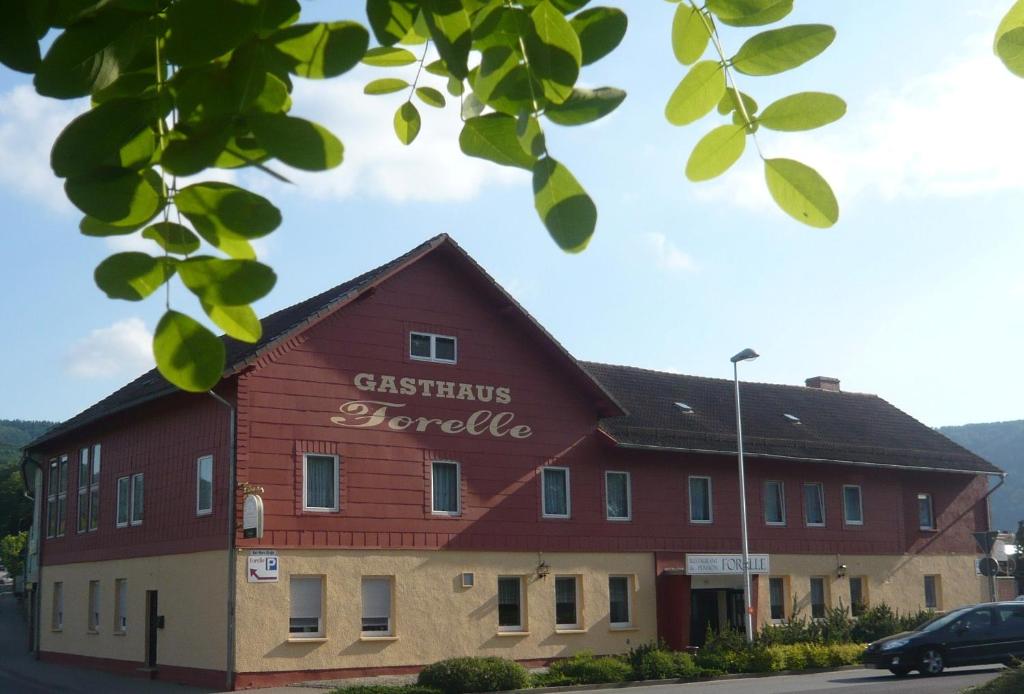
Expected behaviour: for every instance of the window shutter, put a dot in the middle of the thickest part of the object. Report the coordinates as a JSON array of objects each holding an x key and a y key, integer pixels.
[
  {"x": 306, "y": 593},
  {"x": 376, "y": 598}
]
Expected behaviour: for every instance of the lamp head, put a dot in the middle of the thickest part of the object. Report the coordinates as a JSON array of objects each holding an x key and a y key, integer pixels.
[{"x": 746, "y": 355}]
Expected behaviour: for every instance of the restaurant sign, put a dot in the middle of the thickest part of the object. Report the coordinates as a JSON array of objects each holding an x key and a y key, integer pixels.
[{"x": 718, "y": 564}]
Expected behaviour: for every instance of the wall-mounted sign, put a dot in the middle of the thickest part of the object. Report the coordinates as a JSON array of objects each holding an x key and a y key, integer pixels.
[
  {"x": 252, "y": 517},
  {"x": 717, "y": 564},
  {"x": 263, "y": 568}
]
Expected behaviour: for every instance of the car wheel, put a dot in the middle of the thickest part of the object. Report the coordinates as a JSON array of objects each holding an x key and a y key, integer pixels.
[
  {"x": 931, "y": 662},
  {"x": 899, "y": 671}
]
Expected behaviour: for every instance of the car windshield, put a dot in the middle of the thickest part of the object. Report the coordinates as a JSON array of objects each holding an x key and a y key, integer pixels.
[{"x": 942, "y": 620}]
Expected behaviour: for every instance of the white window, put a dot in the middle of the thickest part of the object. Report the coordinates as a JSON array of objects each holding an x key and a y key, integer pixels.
[
  {"x": 204, "y": 485},
  {"x": 51, "y": 500},
  {"x": 618, "y": 496},
  {"x": 138, "y": 488},
  {"x": 94, "y": 490},
  {"x": 305, "y": 617},
  {"x": 84, "y": 475},
  {"x": 700, "y": 499},
  {"x": 124, "y": 500},
  {"x": 932, "y": 592},
  {"x": 57, "y": 497},
  {"x": 94, "y": 605},
  {"x": 320, "y": 486},
  {"x": 445, "y": 487},
  {"x": 777, "y": 598},
  {"x": 377, "y": 606},
  {"x": 555, "y": 499},
  {"x": 853, "y": 510},
  {"x": 620, "y": 601},
  {"x": 567, "y": 613},
  {"x": 925, "y": 513},
  {"x": 510, "y": 603},
  {"x": 431, "y": 347},
  {"x": 814, "y": 505},
  {"x": 57, "y": 620},
  {"x": 774, "y": 503},
  {"x": 819, "y": 597},
  {"x": 121, "y": 605}
]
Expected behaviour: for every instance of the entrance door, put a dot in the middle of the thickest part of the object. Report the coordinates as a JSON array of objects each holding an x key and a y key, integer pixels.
[
  {"x": 151, "y": 628},
  {"x": 703, "y": 614},
  {"x": 736, "y": 610}
]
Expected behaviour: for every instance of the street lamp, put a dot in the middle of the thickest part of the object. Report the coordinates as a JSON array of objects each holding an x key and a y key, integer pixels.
[{"x": 746, "y": 355}]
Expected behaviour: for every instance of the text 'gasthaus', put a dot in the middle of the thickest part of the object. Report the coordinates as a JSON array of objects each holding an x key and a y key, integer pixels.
[{"x": 382, "y": 383}]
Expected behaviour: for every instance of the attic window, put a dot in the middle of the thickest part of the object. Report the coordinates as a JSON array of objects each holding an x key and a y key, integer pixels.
[
  {"x": 684, "y": 408},
  {"x": 792, "y": 418},
  {"x": 431, "y": 347}
]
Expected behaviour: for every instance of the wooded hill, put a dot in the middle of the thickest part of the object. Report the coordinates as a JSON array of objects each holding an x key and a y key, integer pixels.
[
  {"x": 1002, "y": 444},
  {"x": 15, "y": 509}
]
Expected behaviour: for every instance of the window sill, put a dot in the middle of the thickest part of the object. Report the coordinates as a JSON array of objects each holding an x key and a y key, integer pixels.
[
  {"x": 570, "y": 631},
  {"x": 446, "y": 514},
  {"x": 701, "y": 522},
  {"x": 120, "y": 633},
  {"x": 308, "y": 639},
  {"x": 57, "y": 631},
  {"x": 547, "y": 517},
  {"x": 619, "y": 520},
  {"x": 512, "y": 633},
  {"x": 378, "y": 638},
  {"x": 928, "y": 530},
  {"x": 625, "y": 627},
  {"x": 93, "y": 632}
]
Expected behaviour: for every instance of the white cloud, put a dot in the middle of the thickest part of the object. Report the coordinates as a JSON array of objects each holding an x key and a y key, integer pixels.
[
  {"x": 667, "y": 255},
  {"x": 29, "y": 124},
  {"x": 121, "y": 349}
]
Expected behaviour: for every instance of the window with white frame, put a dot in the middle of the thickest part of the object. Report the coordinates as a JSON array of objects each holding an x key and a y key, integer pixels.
[
  {"x": 320, "y": 482},
  {"x": 510, "y": 603},
  {"x": 925, "y": 512},
  {"x": 445, "y": 487},
  {"x": 94, "y": 490},
  {"x": 774, "y": 503},
  {"x": 567, "y": 613},
  {"x": 555, "y": 498},
  {"x": 51, "y": 499},
  {"x": 89, "y": 489},
  {"x": 617, "y": 492},
  {"x": 819, "y": 597},
  {"x": 204, "y": 485},
  {"x": 138, "y": 492},
  {"x": 377, "y": 606},
  {"x": 814, "y": 504},
  {"x": 853, "y": 509},
  {"x": 94, "y": 606},
  {"x": 305, "y": 611},
  {"x": 83, "y": 490},
  {"x": 620, "y": 601},
  {"x": 57, "y": 618},
  {"x": 121, "y": 605},
  {"x": 57, "y": 497},
  {"x": 124, "y": 501},
  {"x": 700, "y": 499},
  {"x": 777, "y": 597},
  {"x": 431, "y": 347},
  {"x": 933, "y": 592}
]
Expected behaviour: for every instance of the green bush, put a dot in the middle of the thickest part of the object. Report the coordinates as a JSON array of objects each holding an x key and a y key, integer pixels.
[
  {"x": 584, "y": 668},
  {"x": 474, "y": 674},
  {"x": 386, "y": 689},
  {"x": 655, "y": 665},
  {"x": 1010, "y": 681}
]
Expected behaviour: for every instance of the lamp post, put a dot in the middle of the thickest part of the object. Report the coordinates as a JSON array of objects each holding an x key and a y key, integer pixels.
[{"x": 746, "y": 355}]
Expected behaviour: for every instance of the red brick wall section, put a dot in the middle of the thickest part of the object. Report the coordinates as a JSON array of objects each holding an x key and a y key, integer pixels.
[{"x": 195, "y": 677}]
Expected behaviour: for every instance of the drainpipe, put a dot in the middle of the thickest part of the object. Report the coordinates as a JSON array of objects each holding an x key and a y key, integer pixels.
[
  {"x": 229, "y": 667},
  {"x": 37, "y": 531},
  {"x": 988, "y": 526}
]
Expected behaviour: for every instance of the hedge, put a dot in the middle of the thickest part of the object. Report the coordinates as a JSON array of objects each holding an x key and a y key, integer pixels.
[{"x": 474, "y": 674}]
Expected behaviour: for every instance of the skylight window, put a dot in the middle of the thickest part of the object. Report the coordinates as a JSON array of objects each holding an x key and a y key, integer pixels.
[
  {"x": 684, "y": 408},
  {"x": 792, "y": 418}
]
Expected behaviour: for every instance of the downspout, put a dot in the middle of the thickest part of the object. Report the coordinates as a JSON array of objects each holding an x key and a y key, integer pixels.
[
  {"x": 37, "y": 530},
  {"x": 988, "y": 527},
  {"x": 229, "y": 666}
]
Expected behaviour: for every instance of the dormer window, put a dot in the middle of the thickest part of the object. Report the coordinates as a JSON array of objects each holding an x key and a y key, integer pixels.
[
  {"x": 684, "y": 408},
  {"x": 792, "y": 418},
  {"x": 431, "y": 347}
]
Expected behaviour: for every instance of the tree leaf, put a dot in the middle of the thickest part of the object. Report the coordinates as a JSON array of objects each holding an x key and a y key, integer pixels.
[
  {"x": 430, "y": 96},
  {"x": 600, "y": 30},
  {"x": 801, "y": 192},
  {"x": 563, "y": 205},
  {"x": 240, "y": 322},
  {"x": 802, "y": 111},
  {"x": 471, "y": 106},
  {"x": 388, "y": 85},
  {"x": 728, "y": 103},
  {"x": 1010, "y": 49},
  {"x": 554, "y": 52},
  {"x": 324, "y": 49},
  {"x": 585, "y": 106},
  {"x": 90, "y": 226},
  {"x": 118, "y": 196},
  {"x": 449, "y": 26},
  {"x": 221, "y": 210},
  {"x": 172, "y": 237},
  {"x": 501, "y": 81},
  {"x": 689, "y": 35},
  {"x": 388, "y": 57},
  {"x": 529, "y": 135},
  {"x": 701, "y": 89},
  {"x": 390, "y": 20},
  {"x": 132, "y": 276},
  {"x": 200, "y": 30},
  {"x": 455, "y": 86},
  {"x": 191, "y": 149},
  {"x": 778, "y": 50},
  {"x": 297, "y": 142},
  {"x": 493, "y": 137},
  {"x": 97, "y": 135},
  {"x": 749, "y": 13},
  {"x": 220, "y": 282},
  {"x": 716, "y": 152},
  {"x": 407, "y": 123},
  {"x": 19, "y": 45},
  {"x": 187, "y": 354},
  {"x": 1013, "y": 19}
]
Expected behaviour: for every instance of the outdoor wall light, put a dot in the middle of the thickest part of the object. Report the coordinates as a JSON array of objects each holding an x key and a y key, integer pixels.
[
  {"x": 543, "y": 568},
  {"x": 841, "y": 571}
]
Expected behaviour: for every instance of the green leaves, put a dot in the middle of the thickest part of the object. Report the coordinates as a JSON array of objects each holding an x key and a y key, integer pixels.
[
  {"x": 132, "y": 276},
  {"x": 748, "y": 13},
  {"x": 430, "y": 96},
  {"x": 716, "y": 152},
  {"x": 187, "y": 354},
  {"x": 1009, "y": 39},
  {"x": 600, "y": 30},
  {"x": 801, "y": 192},
  {"x": 565, "y": 208},
  {"x": 803, "y": 111},
  {"x": 388, "y": 85},
  {"x": 96, "y": 136},
  {"x": 240, "y": 322},
  {"x": 297, "y": 142},
  {"x": 689, "y": 35},
  {"x": 585, "y": 106},
  {"x": 407, "y": 123},
  {"x": 388, "y": 57},
  {"x": 778, "y": 50},
  {"x": 89, "y": 55},
  {"x": 554, "y": 52},
  {"x": 219, "y": 282},
  {"x": 325, "y": 49},
  {"x": 118, "y": 196},
  {"x": 173, "y": 238},
  {"x": 701, "y": 89},
  {"x": 227, "y": 216},
  {"x": 449, "y": 26},
  {"x": 201, "y": 30},
  {"x": 493, "y": 137}
]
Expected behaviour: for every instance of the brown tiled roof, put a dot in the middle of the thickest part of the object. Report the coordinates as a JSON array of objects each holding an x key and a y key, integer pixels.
[{"x": 834, "y": 426}]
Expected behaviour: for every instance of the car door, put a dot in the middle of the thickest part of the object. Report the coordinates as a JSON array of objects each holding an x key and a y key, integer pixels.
[
  {"x": 971, "y": 637},
  {"x": 1010, "y": 631}
]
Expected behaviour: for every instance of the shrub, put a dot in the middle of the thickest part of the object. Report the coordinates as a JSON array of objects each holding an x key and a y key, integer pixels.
[
  {"x": 656, "y": 665},
  {"x": 584, "y": 668},
  {"x": 386, "y": 689},
  {"x": 474, "y": 674},
  {"x": 1010, "y": 681}
]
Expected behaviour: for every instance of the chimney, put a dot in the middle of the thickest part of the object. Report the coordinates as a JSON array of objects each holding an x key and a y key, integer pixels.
[{"x": 823, "y": 383}]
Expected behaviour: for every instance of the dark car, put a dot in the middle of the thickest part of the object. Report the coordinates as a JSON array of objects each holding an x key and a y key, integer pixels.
[{"x": 989, "y": 633}]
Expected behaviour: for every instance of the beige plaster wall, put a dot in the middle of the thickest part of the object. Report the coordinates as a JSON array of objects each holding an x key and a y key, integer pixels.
[
  {"x": 192, "y": 596},
  {"x": 897, "y": 581},
  {"x": 434, "y": 616}
]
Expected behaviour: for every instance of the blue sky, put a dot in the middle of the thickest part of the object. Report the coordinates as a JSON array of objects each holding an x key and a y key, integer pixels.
[{"x": 914, "y": 295}]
